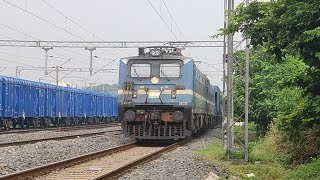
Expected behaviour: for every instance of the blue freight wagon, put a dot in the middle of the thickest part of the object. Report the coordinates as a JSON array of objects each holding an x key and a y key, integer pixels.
[{"x": 34, "y": 104}]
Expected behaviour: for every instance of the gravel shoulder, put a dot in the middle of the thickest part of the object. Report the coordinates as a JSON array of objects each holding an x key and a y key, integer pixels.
[
  {"x": 5, "y": 138},
  {"x": 17, "y": 158},
  {"x": 182, "y": 163}
]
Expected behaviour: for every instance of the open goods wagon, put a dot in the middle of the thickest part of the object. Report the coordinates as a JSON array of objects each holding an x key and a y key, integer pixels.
[{"x": 27, "y": 103}]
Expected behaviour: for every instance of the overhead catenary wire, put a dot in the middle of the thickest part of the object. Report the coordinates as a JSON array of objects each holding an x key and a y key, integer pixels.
[
  {"x": 14, "y": 29},
  {"x": 79, "y": 25},
  {"x": 52, "y": 24},
  {"x": 69, "y": 32},
  {"x": 18, "y": 56},
  {"x": 34, "y": 15},
  {"x": 165, "y": 5},
  {"x": 170, "y": 29}
]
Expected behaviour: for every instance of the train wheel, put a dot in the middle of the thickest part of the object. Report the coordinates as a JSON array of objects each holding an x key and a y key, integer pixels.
[
  {"x": 28, "y": 123},
  {"x": 34, "y": 123},
  {"x": 68, "y": 121},
  {"x": 44, "y": 123},
  {"x": 91, "y": 121},
  {"x": 14, "y": 123},
  {"x": 6, "y": 124},
  {"x": 22, "y": 123}
]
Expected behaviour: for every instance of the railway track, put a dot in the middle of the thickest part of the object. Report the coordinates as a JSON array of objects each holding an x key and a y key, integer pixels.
[
  {"x": 17, "y": 143},
  {"x": 67, "y": 128},
  {"x": 106, "y": 164}
]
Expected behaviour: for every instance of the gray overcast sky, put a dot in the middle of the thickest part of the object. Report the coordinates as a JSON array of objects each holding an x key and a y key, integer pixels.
[{"x": 111, "y": 20}]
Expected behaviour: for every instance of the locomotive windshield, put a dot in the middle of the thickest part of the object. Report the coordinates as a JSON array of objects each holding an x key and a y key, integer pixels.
[
  {"x": 159, "y": 68},
  {"x": 170, "y": 70},
  {"x": 140, "y": 70}
]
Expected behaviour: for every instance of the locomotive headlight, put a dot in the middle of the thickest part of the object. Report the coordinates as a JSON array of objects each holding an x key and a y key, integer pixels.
[
  {"x": 177, "y": 116},
  {"x": 173, "y": 94},
  {"x": 134, "y": 94},
  {"x": 140, "y": 112},
  {"x": 129, "y": 115},
  {"x": 155, "y": 52}
]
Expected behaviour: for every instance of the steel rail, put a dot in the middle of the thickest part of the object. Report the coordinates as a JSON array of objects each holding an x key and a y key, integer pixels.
[
  {"x": 29, "y": 173},
  {"x": 42, "y": 170},
  {"x": 67, "y": 128},
  {"x": 18, "y": 143},
  {"x": 142, "y": 160}
]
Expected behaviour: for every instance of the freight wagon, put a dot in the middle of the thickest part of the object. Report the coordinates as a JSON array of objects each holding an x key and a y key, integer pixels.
[{"x": 34, "y": 104}]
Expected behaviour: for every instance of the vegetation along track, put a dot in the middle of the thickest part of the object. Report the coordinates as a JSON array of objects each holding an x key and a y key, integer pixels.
[
  {"x": 17, "y": 143},
  {"x": 106, "y": 164},
  {"x": 67, "y": 128}
]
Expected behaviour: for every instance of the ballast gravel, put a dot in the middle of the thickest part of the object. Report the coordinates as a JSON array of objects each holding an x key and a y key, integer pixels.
[
  {"x": 182, "y": 163},
  {"x": 5, "y": 138},
  {"x": 17, "y": 158}
]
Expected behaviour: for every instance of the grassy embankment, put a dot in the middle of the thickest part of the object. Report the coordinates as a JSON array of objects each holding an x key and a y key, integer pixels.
[{"x": 267, "y": 161}]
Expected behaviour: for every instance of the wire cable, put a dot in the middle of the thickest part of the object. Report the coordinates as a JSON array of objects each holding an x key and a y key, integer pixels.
[
  {"x": 52, "y": 24},
  {"x": 79, "y": 25},
  {"x": 172, "y": 18},
  {"x": 163, "y": 20}
]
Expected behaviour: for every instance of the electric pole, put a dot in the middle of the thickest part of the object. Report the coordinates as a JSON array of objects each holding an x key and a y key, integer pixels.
[
  {"x": 57, "y": 75},
  {"x": 230, "y": 138},
  {"x": 91, "y": 49},
  {"x": 18, "y": 71},
  {"x": 246, "y": 108},
  {"x": 46, "y": 60},
  {"x": 224, "y": 61}
]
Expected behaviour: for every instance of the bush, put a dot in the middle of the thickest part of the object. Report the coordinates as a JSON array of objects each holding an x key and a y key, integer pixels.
[{"x": 308, "y": 171}]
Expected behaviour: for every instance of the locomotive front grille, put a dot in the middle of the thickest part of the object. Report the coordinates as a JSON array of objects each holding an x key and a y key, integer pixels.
[{"x": 162, "y": 131}]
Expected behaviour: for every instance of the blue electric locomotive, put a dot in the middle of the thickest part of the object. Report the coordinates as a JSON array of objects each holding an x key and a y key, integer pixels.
[
  {"x": 35, "y": 104},
  {"x": 163, "y": 95}
]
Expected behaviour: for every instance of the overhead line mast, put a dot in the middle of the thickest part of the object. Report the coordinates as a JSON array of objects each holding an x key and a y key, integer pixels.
[{"x": 228, "y": 57}]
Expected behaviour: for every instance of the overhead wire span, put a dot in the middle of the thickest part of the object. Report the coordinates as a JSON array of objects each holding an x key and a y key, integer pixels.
[
  {"x": 52, "y": 24},
  {"x": 26, "y": 57},
  {"x": 14, "y": 29},
  {"x": 165, "y": 5},
  {"x": 34, "y": 15},
  {"x": 170, "y": 29},
  {"x": 79, "y": 25},
  {"x": 10, "y": 61},
  {"x": 9, "y": 27}
]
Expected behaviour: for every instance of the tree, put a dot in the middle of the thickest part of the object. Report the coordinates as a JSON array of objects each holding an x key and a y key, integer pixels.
[
  {"x": 268, "y": 79},
  {"x": 284, "y": 27}
]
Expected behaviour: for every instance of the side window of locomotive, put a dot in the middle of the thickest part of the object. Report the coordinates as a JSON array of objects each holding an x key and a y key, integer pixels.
[
  {"x": 170, "y": 70},
  {"x": 140, "y": 70}
]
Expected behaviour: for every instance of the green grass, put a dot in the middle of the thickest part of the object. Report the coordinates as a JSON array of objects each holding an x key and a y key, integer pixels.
[
  {"x": 269, "y": 158},
  {"x": 310, "y": 171},
  {"x": 216, "y": 154}
]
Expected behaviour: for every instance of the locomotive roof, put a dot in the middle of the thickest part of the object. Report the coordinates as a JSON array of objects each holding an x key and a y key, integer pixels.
[
  {"x": 164, "y": 56},
  {"x": 158, "y": 53}
]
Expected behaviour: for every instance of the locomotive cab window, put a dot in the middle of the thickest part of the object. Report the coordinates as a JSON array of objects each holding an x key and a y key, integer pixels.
[
  {"x": 140, "y": 70},
  {"x": 170, "y": 70}
]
